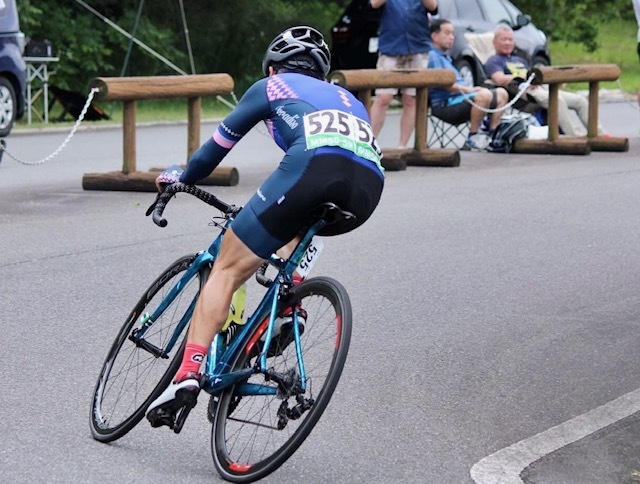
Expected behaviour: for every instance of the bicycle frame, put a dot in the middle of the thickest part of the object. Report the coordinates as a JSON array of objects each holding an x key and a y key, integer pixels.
[{"x": 220, "y": 359}]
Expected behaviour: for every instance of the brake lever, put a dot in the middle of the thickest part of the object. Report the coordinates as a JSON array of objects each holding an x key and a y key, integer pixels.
[{"x": 153, "y": 205}]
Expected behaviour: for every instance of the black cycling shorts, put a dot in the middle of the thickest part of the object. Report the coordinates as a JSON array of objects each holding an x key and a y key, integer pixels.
[{"x": 283, "y": 204}]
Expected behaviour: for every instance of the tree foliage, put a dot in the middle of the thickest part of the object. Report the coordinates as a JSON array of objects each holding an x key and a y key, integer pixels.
[
  {"x": 225, "y": 36},
  {"x": 574, "y": 21}
]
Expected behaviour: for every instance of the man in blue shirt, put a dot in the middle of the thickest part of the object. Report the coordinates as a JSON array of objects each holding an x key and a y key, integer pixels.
[
  {"x": 403, "y": 43},
  {"x": 453, "y": 105}
]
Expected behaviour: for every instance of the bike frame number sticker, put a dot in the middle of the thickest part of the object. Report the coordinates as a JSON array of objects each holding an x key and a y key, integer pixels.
[{"x": 310, "y": 257}]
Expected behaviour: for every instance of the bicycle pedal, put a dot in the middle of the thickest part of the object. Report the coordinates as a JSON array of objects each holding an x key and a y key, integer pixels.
[
  {"x": 189, "y": 401},
  {"x": 159, "y": 417},
  {"x": 182, "y": 417}
]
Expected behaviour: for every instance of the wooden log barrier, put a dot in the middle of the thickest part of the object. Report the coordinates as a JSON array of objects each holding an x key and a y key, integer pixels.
[
  {"x": 362, "y": 81},
  {"x": 554, "y": 76},
  {"x": 140, "y": 181},
  {"x": 129, "y": 90}
]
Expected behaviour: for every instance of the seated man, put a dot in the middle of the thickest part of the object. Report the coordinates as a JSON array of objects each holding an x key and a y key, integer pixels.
[
  {"x": 503, "y": 67},
  {"x": 454, "y": 104}
]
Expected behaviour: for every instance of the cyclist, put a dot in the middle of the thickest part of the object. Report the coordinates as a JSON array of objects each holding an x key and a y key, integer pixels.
[{"x": 331, "y": 155}]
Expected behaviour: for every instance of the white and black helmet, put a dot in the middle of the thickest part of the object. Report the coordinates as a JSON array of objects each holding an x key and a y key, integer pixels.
[{"x": 294, "y": 42}]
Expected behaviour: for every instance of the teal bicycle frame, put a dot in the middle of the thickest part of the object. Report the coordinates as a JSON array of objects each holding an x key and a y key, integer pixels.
[{"x": 220, "y": 359}]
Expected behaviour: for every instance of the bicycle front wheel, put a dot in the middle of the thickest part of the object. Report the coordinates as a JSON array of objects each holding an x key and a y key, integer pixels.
[
  {"x": 253, "y": 435},
  {"x": 132, "y": 376}
]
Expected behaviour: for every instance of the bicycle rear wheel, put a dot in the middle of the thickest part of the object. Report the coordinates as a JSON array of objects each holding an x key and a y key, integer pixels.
[
  {"x": 254, "y": 435},
  {"x": 131, "y": 376}
]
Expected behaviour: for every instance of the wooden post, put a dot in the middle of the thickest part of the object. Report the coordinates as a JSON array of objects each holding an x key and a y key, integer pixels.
[
  {"x": 552, "y": 113},
  {"x": 592, "y": 129},
  {"x": 365, "y": 98},
  {"x": 193, "y": 125},
  {"x": 129, "y": 137},
  {"x": 363, "y": 80},
  {"x": 554, "y": 76},
  {"x": 421, "y": 119},
  {"x": 131, "y": 89}
]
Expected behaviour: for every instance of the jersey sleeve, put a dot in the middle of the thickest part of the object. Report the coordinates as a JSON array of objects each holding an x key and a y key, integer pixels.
[
  {"x": 252, "y": 108},
  {"x": 492, "y": 66}
]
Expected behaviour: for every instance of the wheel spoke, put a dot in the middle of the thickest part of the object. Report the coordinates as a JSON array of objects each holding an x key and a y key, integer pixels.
[
  {"x": 131, "y": 376},
  {"x": 252, "y": 436}
]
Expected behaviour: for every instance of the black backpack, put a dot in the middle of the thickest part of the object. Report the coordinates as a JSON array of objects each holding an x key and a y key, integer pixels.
[{"x": 511, "y": 128}]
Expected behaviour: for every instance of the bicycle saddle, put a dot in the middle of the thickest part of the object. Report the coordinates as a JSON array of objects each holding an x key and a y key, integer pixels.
[{"x": 332, "y": 214}]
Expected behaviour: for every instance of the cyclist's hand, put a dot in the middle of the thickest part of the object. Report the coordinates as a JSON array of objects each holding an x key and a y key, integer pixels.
[{"x": 168, "y": 177}]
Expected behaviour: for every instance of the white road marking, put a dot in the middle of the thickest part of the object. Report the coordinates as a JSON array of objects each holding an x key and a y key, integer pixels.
[{"x": 506, "y": 465}]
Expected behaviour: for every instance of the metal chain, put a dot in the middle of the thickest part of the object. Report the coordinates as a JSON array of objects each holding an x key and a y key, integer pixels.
[
  {"x": 64, "y": 143},
  {"x": 523, "y": 87}
]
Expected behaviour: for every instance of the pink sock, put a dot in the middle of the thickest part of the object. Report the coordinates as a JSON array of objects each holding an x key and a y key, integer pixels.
[{"x": 193, "y": 357}]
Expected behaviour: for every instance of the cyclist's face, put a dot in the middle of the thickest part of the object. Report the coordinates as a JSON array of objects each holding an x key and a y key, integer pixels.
[{"x": 443, "y": 39}]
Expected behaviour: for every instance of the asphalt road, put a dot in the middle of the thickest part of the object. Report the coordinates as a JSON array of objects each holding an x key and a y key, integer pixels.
[{"x": 496, "y": 316}]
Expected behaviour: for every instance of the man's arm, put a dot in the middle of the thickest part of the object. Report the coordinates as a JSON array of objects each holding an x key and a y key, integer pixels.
[
  {"x": 430, "y": 5},
  {"x": 501, "y": 79},
  {"x": 377, "y": 3},
  {"x": 495, "y": 70}
]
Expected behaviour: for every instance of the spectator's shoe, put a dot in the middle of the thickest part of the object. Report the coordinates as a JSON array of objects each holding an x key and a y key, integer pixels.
[
  {"x": 283, "y": 332},
  {"x": 477, "y": 142},
  {"x": 174, "y": 404}
]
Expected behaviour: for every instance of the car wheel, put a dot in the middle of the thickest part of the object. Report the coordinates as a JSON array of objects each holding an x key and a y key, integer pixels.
[
  {"x": 467, "y": 71},
  {"x": 7, "y": 106},
  {"x": 539, "y": 61}
]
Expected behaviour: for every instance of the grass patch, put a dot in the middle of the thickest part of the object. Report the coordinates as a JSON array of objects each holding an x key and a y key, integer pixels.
[
  {"x": 146, "y": 111},
  {"x": 617, "y": 45}
]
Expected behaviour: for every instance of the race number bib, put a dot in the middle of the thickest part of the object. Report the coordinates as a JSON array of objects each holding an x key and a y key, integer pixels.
[{"x": 331, "y": 127}]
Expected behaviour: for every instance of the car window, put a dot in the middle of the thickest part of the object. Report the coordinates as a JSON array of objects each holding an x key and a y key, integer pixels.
[
  {"x": 496, "y": 12},
  {"x": 469, "y": 9},
  {"x": 447, "y": 10}
]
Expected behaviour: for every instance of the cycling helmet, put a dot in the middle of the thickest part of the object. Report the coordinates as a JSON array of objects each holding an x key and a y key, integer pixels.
[{"x": 295, "y": 41}]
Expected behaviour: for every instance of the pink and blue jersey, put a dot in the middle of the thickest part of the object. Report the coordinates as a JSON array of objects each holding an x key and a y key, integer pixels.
[{"x": 305, "y": 116}]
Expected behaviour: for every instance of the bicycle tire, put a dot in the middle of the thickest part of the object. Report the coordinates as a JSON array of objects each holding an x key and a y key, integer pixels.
[
  {"x": 131, "y": 377},
  {"x": 244, "y": 450}
]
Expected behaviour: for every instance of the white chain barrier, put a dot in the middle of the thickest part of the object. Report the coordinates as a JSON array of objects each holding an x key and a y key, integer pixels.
[
  {"x": 523, "y": 88},
  {"x": 92, "y": 93}
]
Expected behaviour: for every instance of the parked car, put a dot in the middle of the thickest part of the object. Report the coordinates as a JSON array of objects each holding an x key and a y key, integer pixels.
[
  {"x": 13, "y": 70},
  {"x": 355, "y": 36}
]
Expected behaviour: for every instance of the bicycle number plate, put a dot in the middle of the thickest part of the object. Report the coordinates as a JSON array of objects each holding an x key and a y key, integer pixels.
[{"x": 310, "y": 257}]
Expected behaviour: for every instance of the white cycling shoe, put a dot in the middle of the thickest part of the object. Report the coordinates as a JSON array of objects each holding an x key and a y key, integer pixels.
[{"x": 174, "y": 404}]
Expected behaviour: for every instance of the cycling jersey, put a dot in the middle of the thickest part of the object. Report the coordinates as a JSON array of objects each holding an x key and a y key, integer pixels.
[
  {"x": 331, "y": 156},
  {"x": 303, "y": 114}
]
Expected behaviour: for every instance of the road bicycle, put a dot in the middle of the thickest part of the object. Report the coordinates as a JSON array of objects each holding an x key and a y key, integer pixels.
[{"x": 267, "y": 390}]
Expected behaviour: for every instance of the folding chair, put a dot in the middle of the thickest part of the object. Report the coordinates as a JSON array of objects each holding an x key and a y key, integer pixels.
[
  {"x": 444, "y": 134},
  {"x": 72, "y": 103}
]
